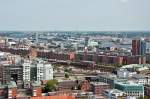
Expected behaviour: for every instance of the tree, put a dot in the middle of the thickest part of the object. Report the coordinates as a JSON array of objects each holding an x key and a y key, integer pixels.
[
  {"x": 68, "y": 70},
  {"x": 66, "y": 75},
  {"x": 51, "y": 85}
]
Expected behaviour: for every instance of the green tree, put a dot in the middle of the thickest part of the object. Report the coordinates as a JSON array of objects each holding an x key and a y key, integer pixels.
[
  {"x": 51, "y": 85},
  {"x": 68, "y": 70},
  {"x": 66, "y": 75}
]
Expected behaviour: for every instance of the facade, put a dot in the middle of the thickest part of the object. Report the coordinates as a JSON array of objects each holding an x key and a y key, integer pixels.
[
  {"x": 114, "y": 94},
  {"x": 135, "y": 47},
  {"x": 36, "y": 89},
  {"x": 37, "y": 70},
  {"x": 54, "y": 97},
  {"x": 130, "y": 88},
  {"x": 8, "y": 91},
  {"x": 67, "y": 85},
  {"x": 142, "y": 79},
  {"x": 108, "y": 78},
  {"x": 26, "y": 71},
  {"x": 136, "y": 58},
  {"x": 11, "y": 73},
  {"x": 124, "y": 73},
  {"x": 138, "y": 47},
  {"x": 48, "y": 72},
  {"x": 143, "y": 47},
  {"x": 41, "y": 71},
  {"x": 147, "y": 90},
  {"x": 99, "y": 87}
]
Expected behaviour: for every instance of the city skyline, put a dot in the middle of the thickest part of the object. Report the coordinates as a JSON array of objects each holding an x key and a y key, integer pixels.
[{"x": 70, "y": 15}]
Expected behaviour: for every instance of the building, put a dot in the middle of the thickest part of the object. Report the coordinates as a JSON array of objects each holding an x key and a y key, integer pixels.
[
  {"x": 67, "y": 85},
  {"x": 130, "y": 88},
  {"x": 32, "y": 53},
  {"x": 8, "y": 91},
  {"x": 136, "y": 68},
  {"x": 108, "y": 78},
  {"x": 36, "y": 89},
  {"x": 124, "y": 73},
  {"x": 54, "y": 97},
  {"x": 147, "y": 90},
  {"x": 11, "y": 72},
  {"x": 99, "y": 87},
  {"x": 142, "y": 79},
  {"x": 26, "y": 71},
  {"x": 143, "y": 47},
  {"x": 41, "y": 70},
  {"x": 48, "y": 72},
  {"x": 114, "y": 94},
  {"x": 138, "y": 47}
]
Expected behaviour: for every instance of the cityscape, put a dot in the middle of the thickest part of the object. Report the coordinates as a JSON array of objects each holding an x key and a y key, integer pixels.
[
  {"x": 77, "y": 65},
  {"x": 74, "y": 49}
]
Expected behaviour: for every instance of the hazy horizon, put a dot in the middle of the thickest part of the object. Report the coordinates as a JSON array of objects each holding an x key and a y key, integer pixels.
[{"x": 74, "y": 15}]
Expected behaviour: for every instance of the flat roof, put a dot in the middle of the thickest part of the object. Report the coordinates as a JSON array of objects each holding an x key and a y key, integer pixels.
[{"x": 98, "y": 83}]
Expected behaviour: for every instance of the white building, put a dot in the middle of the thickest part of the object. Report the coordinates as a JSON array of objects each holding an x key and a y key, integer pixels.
[
  {"x": 48, "y": 72},
  {"x": 40, "y": 71},
  {"x": 26, "y": 71},
  {"x": 142, "y": 79},
  {"x": 124, "y": 73},
  {"x": 113, "y": 93},
  {"x": 44, "y": 71},
  {"x": 37, "y": 71}
]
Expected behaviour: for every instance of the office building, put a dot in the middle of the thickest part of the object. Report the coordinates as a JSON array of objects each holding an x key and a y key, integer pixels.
[
  {"x": 11, "y": 73},
  {"x": 130, "y": 88},
  {"x": 40, "y": 70},
  {"x": 26, "y": 71},
  {"x": 143, "y": 47},
  {"x": 138, "y": 47},
  {"x": 48, "y": 72}
]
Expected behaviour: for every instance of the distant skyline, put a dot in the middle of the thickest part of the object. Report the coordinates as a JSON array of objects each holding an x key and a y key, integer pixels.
[{"x": 74, "y": 15}]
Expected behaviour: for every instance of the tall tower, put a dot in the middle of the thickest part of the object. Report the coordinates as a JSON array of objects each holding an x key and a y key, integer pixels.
[
  {"x": 86, "y": 41},
  {"x": 37, "y": 37},
  {"x": 143, "y": 47},
  {"x": 138, "y": 46}
]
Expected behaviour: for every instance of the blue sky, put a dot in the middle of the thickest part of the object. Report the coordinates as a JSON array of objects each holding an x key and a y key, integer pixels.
[{"x": 92, "y": 15}]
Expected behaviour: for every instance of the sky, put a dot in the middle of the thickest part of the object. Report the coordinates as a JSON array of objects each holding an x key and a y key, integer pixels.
[{"x": 79, "y": 15}]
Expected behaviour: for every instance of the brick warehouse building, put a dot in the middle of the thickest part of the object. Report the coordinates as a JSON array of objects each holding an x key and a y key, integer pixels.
[{"x": 78, "y": 57}]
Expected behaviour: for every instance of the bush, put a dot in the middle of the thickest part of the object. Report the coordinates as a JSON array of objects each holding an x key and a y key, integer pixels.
[
  {"x": 66, "y": 75},
  {"x": 51, "y": 85}
]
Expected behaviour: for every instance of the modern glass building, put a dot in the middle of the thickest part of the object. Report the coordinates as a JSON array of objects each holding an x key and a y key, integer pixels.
[{"x": 143, "y": 47}]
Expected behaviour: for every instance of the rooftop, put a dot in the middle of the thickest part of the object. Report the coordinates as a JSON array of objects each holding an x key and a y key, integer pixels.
[{"x": 98, "y": 83}]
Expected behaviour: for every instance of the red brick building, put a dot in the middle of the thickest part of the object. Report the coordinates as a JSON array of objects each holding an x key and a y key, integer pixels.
[
  {"x": 135, "y": 47},
  {"x": 8, "y": 91},
  {"x": 32, "y": 53},
  {"x": 99, "y": 87},
  {"x": 12, "y": 93},
  {"x": 36, "y": 89}
]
